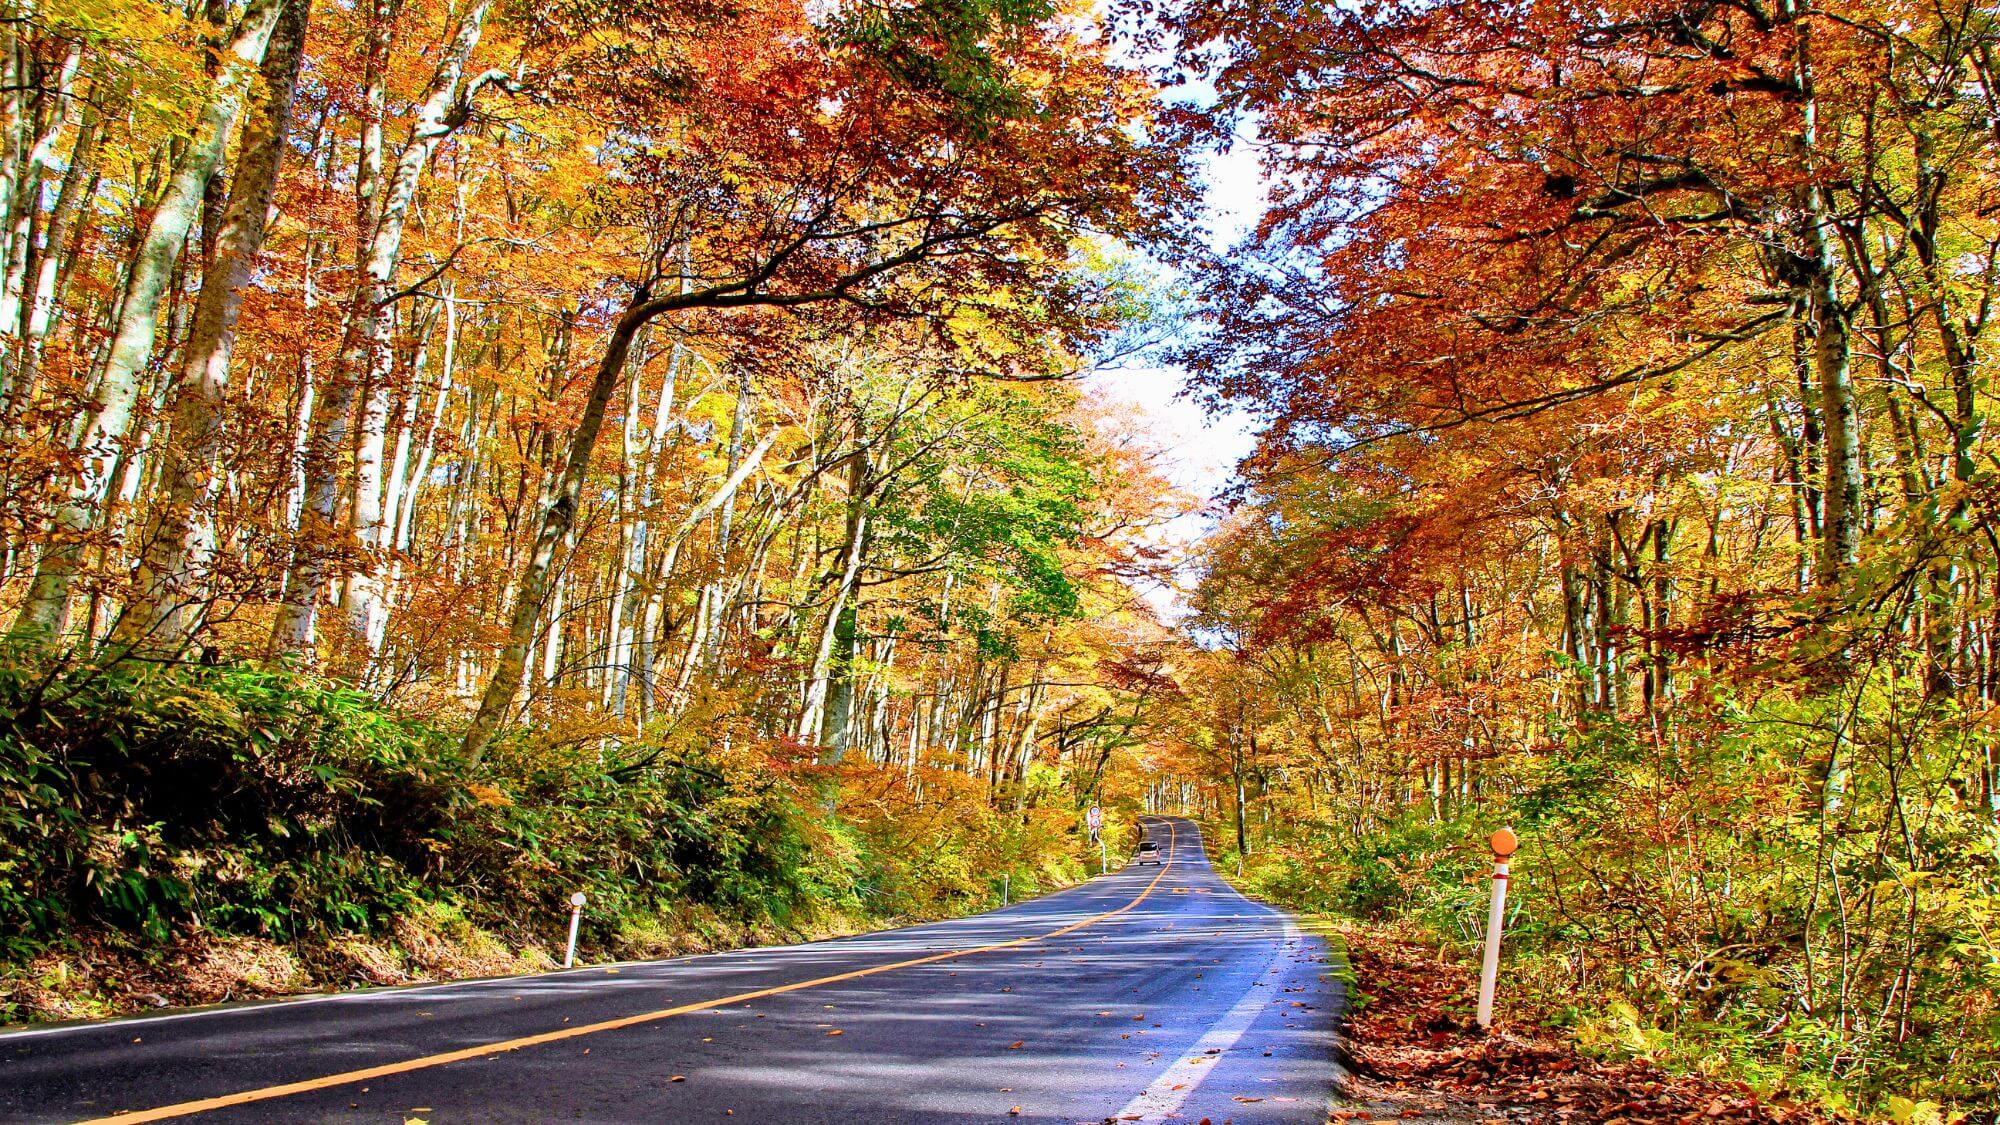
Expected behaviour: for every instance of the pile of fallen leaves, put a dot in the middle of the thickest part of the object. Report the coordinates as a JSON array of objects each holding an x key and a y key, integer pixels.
[{"x": 1416, "y": 1055}]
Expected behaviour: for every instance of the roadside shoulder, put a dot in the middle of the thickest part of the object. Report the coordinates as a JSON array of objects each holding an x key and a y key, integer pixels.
[{"x": 1414, "y": 1055}]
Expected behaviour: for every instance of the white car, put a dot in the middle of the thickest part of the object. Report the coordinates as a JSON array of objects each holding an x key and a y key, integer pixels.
[{"x": 1149, "y": 852}]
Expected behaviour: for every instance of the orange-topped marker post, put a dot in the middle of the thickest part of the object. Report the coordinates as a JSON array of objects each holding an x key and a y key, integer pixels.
[{"x": 1504, "y": 844}]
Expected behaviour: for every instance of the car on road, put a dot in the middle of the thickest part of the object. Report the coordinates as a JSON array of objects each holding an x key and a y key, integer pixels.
[{"x": 1149, "y": 852}]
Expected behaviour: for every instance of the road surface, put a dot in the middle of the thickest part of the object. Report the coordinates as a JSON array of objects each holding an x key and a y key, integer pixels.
[{"x": 1154, "y": 993}]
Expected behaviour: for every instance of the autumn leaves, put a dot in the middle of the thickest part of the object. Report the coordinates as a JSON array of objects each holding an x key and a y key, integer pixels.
[
  {"x": 1626, "y": 469},
  {"x": 354, "y": 319}
]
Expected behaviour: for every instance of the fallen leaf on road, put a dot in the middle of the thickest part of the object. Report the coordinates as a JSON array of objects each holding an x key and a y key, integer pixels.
[
  {"x": 678, "y": 1078},
  {"x": 836, "y": 1031},
  {"x": 1016, "y": 1044}
]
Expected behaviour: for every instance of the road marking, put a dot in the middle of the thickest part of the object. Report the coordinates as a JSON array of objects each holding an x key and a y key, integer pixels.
[
  {"x": 390, "y": 993},
  {"x": 268, "y": 1093},
  {"x": 1177, "y": 1084}
]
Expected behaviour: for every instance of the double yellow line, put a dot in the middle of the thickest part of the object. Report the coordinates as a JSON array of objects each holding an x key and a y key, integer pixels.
[{"x": 348, "y": 1077}]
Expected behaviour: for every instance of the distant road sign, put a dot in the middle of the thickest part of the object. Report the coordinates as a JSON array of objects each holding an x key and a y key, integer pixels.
[{"x": 1095, "y": 817}]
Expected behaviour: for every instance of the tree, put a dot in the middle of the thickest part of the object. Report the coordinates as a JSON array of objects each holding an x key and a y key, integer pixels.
[
  {"x": 44, "y": 611},
  {"x": 878, "y": 202}
]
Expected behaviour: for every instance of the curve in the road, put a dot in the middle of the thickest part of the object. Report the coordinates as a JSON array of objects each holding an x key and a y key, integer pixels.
[
  {"x": 266, "y": 1093},
  {"x": 1136, "y": 996}
]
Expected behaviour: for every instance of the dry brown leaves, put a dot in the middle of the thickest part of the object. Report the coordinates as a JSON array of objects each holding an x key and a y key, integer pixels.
[{"x": 1415, "y": 1057}]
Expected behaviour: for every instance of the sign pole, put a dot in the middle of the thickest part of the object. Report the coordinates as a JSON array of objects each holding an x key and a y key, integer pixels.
[
  {"x": 1095, "y": 818},
  {"x": 576, "y": 902},
  {"x": 1504, "y": 844}
]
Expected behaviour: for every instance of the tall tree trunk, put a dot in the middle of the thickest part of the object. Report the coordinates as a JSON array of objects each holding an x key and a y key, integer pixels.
[
  {"x": 53, "y": 265},
  {"x": 330, "y": 412},
  {"x": 55, "y": 111},
  {"x": 44, "y": 612},
  {"x": 831, "y": 680},
  {"x": 1236, "y": 776},
  {"x": 175, "y": 557},
  {"x": 367, "y": 357},
  {"x": 558, "y": 515},
  {"x": 1827, "y": 317},
  {"x": 413, "y": 488},
  {"x": 633, "y": 610}
]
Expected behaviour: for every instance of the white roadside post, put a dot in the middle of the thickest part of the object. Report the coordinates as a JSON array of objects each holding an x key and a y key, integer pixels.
[
  {"x": 1504, "y": 844},
  {"x": 1095, "y": 818},
  {"x": 576, "y": 902},
  {"x": 1006, "y": 885}
]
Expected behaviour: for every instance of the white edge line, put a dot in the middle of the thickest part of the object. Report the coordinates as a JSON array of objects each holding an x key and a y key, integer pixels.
[{"x": 1195, "y": 1064}]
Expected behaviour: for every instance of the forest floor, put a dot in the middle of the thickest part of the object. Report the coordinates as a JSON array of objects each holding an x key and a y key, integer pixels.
[{"x": 1416, "y": 1058}]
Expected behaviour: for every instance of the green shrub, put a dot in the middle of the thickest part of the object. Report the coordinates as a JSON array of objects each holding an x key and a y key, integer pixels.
[{"x": 149, "y": 799}]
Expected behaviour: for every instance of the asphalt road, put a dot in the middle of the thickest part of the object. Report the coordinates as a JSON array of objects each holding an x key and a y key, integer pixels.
[{"x": 1153, "y": 993}]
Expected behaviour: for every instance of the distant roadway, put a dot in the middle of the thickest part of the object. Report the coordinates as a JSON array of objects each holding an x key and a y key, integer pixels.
[{"x": 1152, "y": 994}]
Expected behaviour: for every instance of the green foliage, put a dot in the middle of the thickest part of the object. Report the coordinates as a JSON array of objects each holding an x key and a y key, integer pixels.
[
  {"x": 942, "y": 49},
  {"x": 151, "y": 800},
  {"x": 1731, "y": 897},
  {"x": 1411, "y": 865},
  {"x": 949, "y": 852},
  {"x": 1024, "y": 501},
  {"x": 143, "y": 797}
]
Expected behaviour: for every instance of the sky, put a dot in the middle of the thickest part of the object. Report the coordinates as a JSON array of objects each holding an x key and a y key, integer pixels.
[{"x": 1200, "y": 449}]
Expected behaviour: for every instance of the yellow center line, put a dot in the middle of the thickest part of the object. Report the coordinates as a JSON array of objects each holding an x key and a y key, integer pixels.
[{"x": 347, "y": 1077}]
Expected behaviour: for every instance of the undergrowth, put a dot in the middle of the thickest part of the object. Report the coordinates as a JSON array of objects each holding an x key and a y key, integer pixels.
[{"x": 147, "y": 811}]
